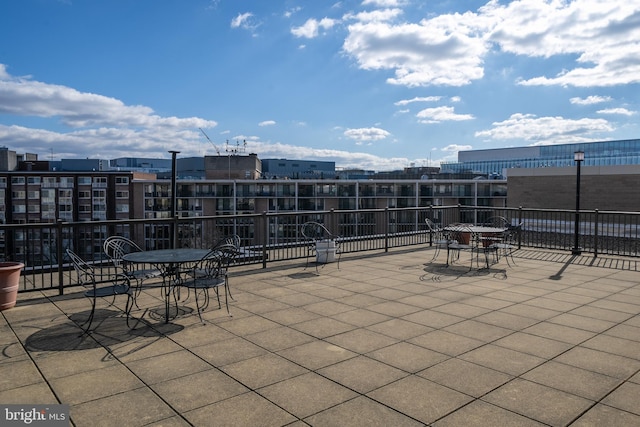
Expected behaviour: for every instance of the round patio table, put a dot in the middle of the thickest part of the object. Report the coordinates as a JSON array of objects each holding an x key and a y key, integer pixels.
[{"x": 167, "y": 260}]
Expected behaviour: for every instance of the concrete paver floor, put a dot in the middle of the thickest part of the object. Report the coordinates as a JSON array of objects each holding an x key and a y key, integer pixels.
[{"x": 386, "y": 339}]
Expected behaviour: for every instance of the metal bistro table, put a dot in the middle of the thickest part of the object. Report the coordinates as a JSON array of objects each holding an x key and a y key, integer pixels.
[
  {"x": 168, "y": 260},
  {"x": 477, "y": 230}
]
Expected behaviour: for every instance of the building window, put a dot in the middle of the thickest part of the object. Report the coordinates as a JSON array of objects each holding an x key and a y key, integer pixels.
[
  {"x": 84, "y": 194},
  {"x": 122, "y": 207},
  {"x": 49, "y": 181},
  {"x": 99, "y": 181},
  {"x": 17, "y": 179},
  {"x": 122, "y": 180},
  {"x": 33, "y": 195},
  {"x": 122, "y": 194},
  {"x": 84, "y": 180},
  {"x": 48, "y": 195},
  {"x": 18, "y": 194},
  {"x": 33, "y": 180},
  {"x": 66, "y": 182}
]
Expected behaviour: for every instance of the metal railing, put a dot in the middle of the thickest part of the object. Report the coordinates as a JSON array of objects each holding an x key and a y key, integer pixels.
[{"x": 272, "y": 237}]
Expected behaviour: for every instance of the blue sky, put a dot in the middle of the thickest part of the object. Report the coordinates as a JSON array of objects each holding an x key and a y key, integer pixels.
[{"x": 373, "y": 84}]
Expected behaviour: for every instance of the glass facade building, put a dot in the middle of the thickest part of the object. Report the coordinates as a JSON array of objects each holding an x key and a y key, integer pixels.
[{"x": 498, "y": 161}]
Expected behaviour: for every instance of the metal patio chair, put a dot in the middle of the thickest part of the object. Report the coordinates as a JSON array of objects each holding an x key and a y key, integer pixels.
[
  {"x": 438, "y": 237},
  {"x": 115, "y": 247},
  {"x": 99, "y": 285},
  {"x": 320, "y": 242},
  {"x": 211, "y": 272}
]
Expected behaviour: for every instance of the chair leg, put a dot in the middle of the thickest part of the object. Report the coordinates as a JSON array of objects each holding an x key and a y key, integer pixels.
[
  {"x": 227, "y": 292},
  {"x": 89, "y": 321},
  {"x": 508, "y": 253},
  {"x": 129, "y": 307},
  {"x": 136, "y": 293},
  {"x": 228, "y": 288},
  {"x": 198, "y": 309},
  {"x": 435, "y": 254},
  {"x": 308, "y": 256}
]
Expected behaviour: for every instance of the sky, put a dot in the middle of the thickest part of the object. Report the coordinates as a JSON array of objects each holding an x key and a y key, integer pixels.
[{"x": 369, "y": 84}]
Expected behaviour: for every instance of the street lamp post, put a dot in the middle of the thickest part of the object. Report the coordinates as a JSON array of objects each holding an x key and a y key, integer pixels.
[{"x": 578, "y": 156}]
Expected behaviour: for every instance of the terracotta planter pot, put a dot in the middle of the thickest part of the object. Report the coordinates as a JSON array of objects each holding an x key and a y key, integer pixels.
[
  {"x": 464, "y": 238},
  {"x": 9, "y": 283}
]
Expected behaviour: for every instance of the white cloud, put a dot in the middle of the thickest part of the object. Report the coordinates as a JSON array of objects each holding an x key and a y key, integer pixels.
[
  {"x": 418, "y": 99},
  {"x": 366, "y": 134},
  {"x": 134, "y": 131},
  {"x": 310, "y": 29},
  {"x": 450, "y": 49},
  {"x": 547, "y": 130},
  {"x": 375, "y": 15},
  {"x": 590, "y": 100},
  {"x": 267, "y": 123},
  {"x": 601, "y": 35},
  {"x": 99, "y": 125},
  {"x": 455, "y": 148},
  {"x": 621, "y": 111},
  {"x": 4, "y": 75},
  {"x": 244, "y": 21},
  {"x": 384, "y": 3},
  {"x": 292, "y": 11},
  {"x": 441, "y": 114},
  {"x": 346, "y": 159},
  {"x": 444, "y": 50},
  {"x": 81, "y": 109}
]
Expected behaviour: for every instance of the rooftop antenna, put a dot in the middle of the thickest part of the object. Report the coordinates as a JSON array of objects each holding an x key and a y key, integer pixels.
[
  {"x": 209, "y": 139},
  {"x": 236, "y": 150}
]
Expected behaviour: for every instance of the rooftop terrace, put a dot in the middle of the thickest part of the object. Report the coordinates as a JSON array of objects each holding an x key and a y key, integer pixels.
[{"x": 387, "y": 339}]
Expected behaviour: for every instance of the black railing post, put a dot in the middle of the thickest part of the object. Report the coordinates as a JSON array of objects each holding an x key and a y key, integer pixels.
[
  {"x": 60, "y": 257},
  {"x": 265, "y": 238},
  {"x": 521, "y": 223},
  {"x": 595, "y": 235},
  {"x": 386, "y": 229}
]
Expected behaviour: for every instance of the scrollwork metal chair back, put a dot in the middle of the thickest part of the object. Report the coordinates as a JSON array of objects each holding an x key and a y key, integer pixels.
[
  {"x": 211, "y": 272},
  {"x": 314, "y": 232},
  {"x": 437, "y": 237},
  {"x": 115, "y": 247},
  {"x": 99, "y": 285}
]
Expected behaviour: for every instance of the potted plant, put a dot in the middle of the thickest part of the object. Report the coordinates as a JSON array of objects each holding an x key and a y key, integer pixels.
[{"x": 9, "y": 283}]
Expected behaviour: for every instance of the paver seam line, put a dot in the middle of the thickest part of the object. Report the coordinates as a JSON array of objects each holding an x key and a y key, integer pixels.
[
  {"x": 33, "y": 361},
  {"x": 567, "y": 350},
  {"x": 114, "y": 357},
  {"x": 620, "y": 384},
  {"x": 205, "y": 361}
]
